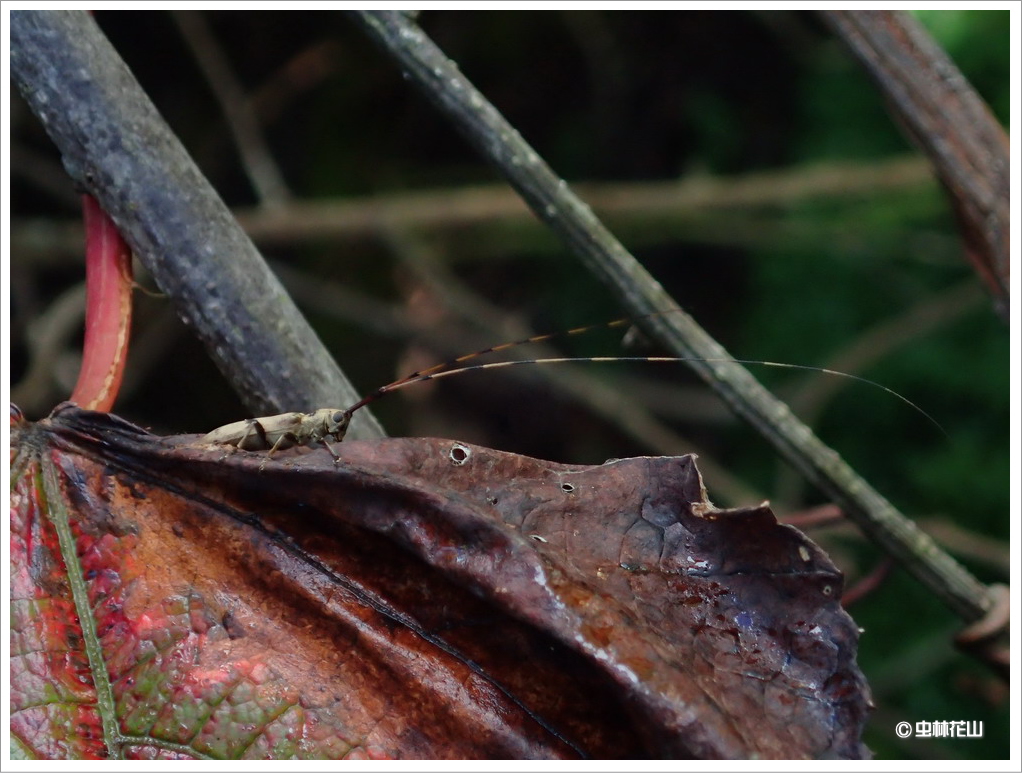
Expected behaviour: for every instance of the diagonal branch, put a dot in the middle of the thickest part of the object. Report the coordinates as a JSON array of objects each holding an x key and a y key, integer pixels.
[
  {"x": 117, "y": 147},
  {"x": 941, "y": 111},
  {"x": 572, "y": 220}
]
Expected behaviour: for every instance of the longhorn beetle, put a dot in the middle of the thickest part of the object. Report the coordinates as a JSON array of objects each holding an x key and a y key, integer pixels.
[
  {"x": 273, "y": 433},
  {"x": 284, "y": 431}
]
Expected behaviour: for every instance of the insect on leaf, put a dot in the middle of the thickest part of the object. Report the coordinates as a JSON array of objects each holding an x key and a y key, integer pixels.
[{"x": 418, "y": 598}]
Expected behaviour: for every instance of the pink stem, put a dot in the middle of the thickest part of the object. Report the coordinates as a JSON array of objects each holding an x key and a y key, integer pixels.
[{"x": 107, "y": 310}]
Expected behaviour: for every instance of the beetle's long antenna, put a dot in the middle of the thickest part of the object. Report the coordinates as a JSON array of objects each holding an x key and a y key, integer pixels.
[
  {"x": 431, "y": 373},
  {"x": 456, "y": 365}
]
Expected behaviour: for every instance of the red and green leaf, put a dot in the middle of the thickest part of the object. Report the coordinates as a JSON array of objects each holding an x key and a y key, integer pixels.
[{"x": 418, "y": 599}]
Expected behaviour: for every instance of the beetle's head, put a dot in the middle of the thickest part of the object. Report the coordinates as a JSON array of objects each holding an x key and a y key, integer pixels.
[{"x": 337, "y": 424}]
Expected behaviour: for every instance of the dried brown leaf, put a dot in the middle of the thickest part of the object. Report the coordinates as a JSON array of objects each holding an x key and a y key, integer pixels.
[{"x": 426, "y": 598}]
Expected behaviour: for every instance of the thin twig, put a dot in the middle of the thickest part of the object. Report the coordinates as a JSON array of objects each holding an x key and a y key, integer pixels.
[
  {"x": 49, "y": 335},
  {"x": 255, "y": 154},
  {"x": 154, "y": 335},
  {"x": 882, "y": 340},
  {"x": 874, "y": 344},
  {"x": 822, "y": 515},
  {"x": 867, "y": 583},
  {"x": 661, "y": 209},
  {"x": 298, "y": 75},
  {"x": 827, "y": 522},
  {"x": 44, "y": 174},
  {"x": 645, "y": 202},
  {"x": 993, "y": 553},
  {"x": 692, "y": 404},
  {"x": 629, "y": 416},
  {"x": 268, "y": 102},
  {"x": 573, "y": 221}
]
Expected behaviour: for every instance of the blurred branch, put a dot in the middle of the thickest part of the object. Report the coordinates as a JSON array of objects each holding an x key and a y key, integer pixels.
[
  {"x": 693, "y": 404},
  {"x": 268, "y": 102},
  {"x": 884, "y": 339},
  {"x": 629, "y": 416},
  {"x": 47, "y": 176},
  {"x": 297, "y": 76},
  {"x": 484, "y": 204},
  {"x": 638, "y": 203},
  {"x": 810, "y": 399},
  {"x": 867, "y": 584},
  {"x": 241, "y": 119},
  {"x": 822, "y": 515},
  {"x": 827, "y": 521},
  {"x": 874, "y": 344},
  {"x": 48, "y": 336},
  {"x": 339, "y": 301},
  {"x": 154, "y": 334},
  {"x": 593, "y": 33},
  {"x": 943, "y": 114},
  {"x": 988, "y": 638},
  {"x": 992, "y": 553},
  {"x": 116, "y": 146},
  {"x": 549, "y": 197}
]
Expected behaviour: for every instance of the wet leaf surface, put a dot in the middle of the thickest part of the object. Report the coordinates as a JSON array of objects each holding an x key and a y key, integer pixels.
[{"x": 420, "y": 599}]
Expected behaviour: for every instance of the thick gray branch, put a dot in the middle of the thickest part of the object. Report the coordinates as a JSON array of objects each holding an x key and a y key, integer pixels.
[{"x": 116, "y": 146}]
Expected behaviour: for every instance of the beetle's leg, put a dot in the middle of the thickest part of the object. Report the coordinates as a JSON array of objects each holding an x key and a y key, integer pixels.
[
  {"x": 253, "y": 431},
  {"x": 330, "y": 448},
  {"x": 286, "y": 440}
]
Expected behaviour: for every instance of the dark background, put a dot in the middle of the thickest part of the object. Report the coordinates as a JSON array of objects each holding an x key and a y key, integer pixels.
[{"x": 610, "y": 97}]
